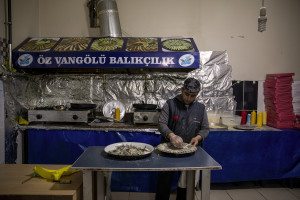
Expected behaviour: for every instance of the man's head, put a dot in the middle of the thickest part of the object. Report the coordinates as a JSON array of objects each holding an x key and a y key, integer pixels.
[{"x": 190, "y": 90}]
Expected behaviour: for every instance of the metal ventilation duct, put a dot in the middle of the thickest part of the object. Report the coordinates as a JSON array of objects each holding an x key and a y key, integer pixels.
[{"x": 109, "y": 21}]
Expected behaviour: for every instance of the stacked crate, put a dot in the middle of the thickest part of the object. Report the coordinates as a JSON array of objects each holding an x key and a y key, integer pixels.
[
  {"x": 296, "y": 102},
  {"x": 296, "y": 97},
  {"x": 278, "y": 100}
]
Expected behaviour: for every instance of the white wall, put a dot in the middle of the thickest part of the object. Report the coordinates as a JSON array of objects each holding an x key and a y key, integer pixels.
[
  {"x": 214, "y": 24},
  {"x": 25, "y": 18}
]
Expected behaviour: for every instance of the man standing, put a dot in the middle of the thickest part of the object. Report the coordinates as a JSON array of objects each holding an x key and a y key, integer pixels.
[{"x": 182, "y": 120}]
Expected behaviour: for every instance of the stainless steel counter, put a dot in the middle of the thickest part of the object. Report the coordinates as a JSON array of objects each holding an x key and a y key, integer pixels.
[{"x": 109, "y": 126}]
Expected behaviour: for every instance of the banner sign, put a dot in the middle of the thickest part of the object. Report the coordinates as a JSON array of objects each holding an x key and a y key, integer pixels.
[{"x": 106, "y": 53}]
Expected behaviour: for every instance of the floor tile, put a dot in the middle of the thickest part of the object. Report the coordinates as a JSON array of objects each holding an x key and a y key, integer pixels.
[
  {"x": 119, "y": 195},
  {"x": 245, "y": 194},
  {"x": 147, "y": 196},
  {"x": 215, "y": 195},
  {"x": 141, "y": 195},
  {"x": 248, "y": 190},
  {"x": 277, "y": 194},
  {"x": 234, "y": 185},
  {"x": 295, "y": 191},
  {"x": 219, "y": 195},
  {"x": 173, "y": 196}
]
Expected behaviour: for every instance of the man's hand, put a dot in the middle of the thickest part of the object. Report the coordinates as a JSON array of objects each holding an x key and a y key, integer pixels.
[
  {"x": 195, "y": 140},
  {"x": 176, "y": 141}
]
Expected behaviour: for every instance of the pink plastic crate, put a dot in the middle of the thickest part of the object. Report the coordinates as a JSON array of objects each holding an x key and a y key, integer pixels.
[
  {"x": 273, "y": 76},
  {"x": 283, "y": 116},
  {"x": 281, "y": 124}
]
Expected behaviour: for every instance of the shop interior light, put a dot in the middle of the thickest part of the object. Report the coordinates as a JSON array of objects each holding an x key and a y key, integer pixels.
[{"x": 262, "y": 19}]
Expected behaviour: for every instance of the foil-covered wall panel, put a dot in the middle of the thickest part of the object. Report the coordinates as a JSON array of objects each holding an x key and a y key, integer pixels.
[
  {"x": 163, "y": 86},
  {"x": 64, "y": 89},
  {"x": 25, "y": 91},
  {"x": 13, "y": 108},
  {"x": 31, "y": 91},
  {"x": 213, "y": 57},
  {"x": 128, "y": 89},
  {"x": 219, "y": 104},
  {"x": 215, "y": 77},
  {"x": 21, "y": 90}
]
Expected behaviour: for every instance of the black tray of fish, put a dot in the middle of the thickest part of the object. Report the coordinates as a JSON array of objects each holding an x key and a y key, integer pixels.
[{"x": 129, "y": 150}]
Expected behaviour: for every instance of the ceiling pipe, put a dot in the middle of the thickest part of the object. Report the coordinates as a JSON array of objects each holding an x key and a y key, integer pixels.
[
  {"x": 9, "y": 25},
  {"x": 109, "y": 21}
]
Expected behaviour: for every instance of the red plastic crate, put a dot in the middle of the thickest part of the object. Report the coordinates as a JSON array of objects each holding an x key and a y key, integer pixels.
[
  {"x": 279, "y": 107},
  {"x": 279, "y": 124},
  {"x": 277, "y": 84},
  {"x": 278, "y": 100},
  {"x": 284, "y": 116},
  {"x": 276, "y": 92},
  {"x": 272, "y": 76}
]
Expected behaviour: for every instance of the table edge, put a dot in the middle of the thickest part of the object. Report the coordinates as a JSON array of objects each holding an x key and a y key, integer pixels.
[{"x": 146, "y": 169}]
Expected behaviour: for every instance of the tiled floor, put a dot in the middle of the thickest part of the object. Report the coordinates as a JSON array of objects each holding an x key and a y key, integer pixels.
[{"x": 269, "y": 190}]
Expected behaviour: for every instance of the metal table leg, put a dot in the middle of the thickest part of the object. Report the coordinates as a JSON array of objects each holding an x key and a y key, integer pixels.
[
  {"x": 100, "y": 186},
  {"x": 87, "y": 180},
  {"x": 190, "y": 185},
  {"x": 205, "y": 184},
  {"x": 103, "y": 185}
]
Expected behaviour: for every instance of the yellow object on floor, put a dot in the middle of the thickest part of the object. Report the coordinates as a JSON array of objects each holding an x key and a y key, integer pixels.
[
  {"x": 53, "y": 174},
  {"x": 23, "y": 121}
]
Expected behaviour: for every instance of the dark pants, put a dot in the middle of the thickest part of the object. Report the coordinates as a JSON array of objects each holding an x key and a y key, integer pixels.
[{"x": 164, "y": 183}]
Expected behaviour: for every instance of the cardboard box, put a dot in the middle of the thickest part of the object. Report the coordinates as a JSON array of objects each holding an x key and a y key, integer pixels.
[{"x": 15, "y": 183}]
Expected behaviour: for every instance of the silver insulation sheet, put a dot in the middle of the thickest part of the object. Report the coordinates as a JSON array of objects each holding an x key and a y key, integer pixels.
[
  {"x": 25, "y": 91},
  {"x": 31, "y": 91},
  {"x": 215, "y": 77}
]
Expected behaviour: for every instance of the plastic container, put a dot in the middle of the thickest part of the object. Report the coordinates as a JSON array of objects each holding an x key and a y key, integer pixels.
[
  {"x": 259, "y": 120},
  {"x": 248, "y": 119},
  {"x": 117, "y": 115},
  {"x": 253, "y": 117},
  {"x": 231, "y": 120},
  {"x": 213, "y": 117},
  {"x": 244, "y": 117},
  {"x": 264, "y": 118}
]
